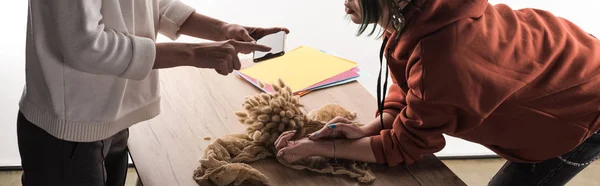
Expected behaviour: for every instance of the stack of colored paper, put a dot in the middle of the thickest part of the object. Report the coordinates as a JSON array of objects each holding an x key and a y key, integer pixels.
[{"x": 303, "y": 69}]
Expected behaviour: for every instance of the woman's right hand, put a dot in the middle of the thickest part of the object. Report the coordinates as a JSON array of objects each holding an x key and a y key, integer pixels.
[
  {"x": 221, "y": 56},
  {"x": 339, "y": 127}
]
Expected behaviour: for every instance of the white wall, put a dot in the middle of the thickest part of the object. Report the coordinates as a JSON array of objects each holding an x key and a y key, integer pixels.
[
  {"x": 12, "y": 76},
  {"x": 584, "y": 13},
  {"x": 317, "y": 23}
]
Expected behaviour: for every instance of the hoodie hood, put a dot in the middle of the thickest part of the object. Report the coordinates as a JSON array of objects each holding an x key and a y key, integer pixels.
[{"x": 424, "y": 17}]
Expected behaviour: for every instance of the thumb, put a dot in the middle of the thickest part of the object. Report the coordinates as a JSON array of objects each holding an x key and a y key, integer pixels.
[
  {"x": 248, "y": 46},
  {"x": 261, "y": 32},
  {"x": 328, "y": 128},
  {"x": 276, "y": 29},
  {"x": 319, "y": 133},
  {"x": 245, "y": 36},
  {"x": 332, "y": 130},
  {"x": 288, "y": 155},
  {"x": 283, "y": 139}
]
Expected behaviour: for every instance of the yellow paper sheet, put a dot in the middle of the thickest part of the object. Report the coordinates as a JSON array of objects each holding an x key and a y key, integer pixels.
[{"x": 299, "y": 68}]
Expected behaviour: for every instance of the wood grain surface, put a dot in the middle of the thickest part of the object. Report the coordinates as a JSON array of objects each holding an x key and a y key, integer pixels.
[{"x": 199, "y": 103}]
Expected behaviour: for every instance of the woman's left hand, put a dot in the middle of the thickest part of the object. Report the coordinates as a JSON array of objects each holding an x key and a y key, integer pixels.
[
  {"x": 294, "y": 150},
  {"x": 339, "y": 127},
  {"x": 249, "y": 34}
]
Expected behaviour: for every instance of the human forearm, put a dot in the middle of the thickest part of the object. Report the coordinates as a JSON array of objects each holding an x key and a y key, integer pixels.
[
  {"x": 347, "y": 149},
  {"x": 374, "y": 126},
  {"x": 221, "y": 56},
  {"x": 171, "y": 55},
  {"x": 201, "y": 26}
]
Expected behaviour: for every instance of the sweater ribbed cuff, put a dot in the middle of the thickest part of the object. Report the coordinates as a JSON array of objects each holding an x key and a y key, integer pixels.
[
  {"x": 142, "y": 60},
  {"x": 173, "y": 18}
]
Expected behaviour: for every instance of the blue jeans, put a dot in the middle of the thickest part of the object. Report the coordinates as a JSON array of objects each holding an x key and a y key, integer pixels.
[{"x": 556, "y": 171}]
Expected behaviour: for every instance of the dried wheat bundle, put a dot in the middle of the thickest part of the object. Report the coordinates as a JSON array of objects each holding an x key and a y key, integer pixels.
[{"x": 268, "y": 115}]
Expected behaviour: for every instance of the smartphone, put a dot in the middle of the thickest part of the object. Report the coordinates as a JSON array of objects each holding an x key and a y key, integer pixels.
[{"x": 277, "y": 43}]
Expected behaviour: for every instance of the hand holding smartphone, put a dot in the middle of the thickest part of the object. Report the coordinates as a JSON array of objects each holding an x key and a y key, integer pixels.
[{"x": 277, "y": 43}]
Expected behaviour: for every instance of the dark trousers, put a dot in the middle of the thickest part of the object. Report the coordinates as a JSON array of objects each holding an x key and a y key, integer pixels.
[
  {"x": 50, "y": 161},
  {"x": 556, "y": 171}
]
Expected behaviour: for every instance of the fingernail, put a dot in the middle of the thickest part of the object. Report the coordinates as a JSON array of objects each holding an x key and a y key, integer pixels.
[
  {"x": 280, "y": 153},
  {"x": 332, "y": 126}
]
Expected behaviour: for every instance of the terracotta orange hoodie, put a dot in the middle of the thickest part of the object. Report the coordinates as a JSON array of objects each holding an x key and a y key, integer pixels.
[{"x": 524, "y": 83}]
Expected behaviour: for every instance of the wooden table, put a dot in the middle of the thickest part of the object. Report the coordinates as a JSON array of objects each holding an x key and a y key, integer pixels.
[{"x": 200, "y": 103}]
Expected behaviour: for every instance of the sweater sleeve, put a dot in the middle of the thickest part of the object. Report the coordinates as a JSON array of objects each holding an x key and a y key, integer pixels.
[
  {"x": 173, "y": 14},
  {"x": 88, "y": 46}
]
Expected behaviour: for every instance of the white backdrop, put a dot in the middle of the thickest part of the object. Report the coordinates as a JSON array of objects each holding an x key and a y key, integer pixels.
[
  {"x": 316, "y": 23},
  {"x": 12, "y": 76}
]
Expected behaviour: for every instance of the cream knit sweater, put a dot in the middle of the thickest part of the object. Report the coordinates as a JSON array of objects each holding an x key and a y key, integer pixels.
[{"x": 89, "y": 64}]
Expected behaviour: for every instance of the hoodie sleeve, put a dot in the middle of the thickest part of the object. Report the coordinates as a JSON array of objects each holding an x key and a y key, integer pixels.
[
  {"x": 435, "y": 104},
  {"x": 173, "y": 14},
  {"x": 417, "y": 130},
  {"x": 394, "y": 102}
]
